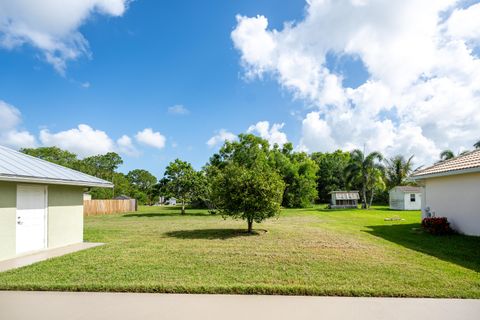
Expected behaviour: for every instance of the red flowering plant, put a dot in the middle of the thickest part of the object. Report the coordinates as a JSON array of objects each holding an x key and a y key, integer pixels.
[{"x": 437, "y": 226}]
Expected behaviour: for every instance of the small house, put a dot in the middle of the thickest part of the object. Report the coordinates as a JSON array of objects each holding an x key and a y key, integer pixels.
[
  {"x": 41, "y": 204},
  {"x": 344, "y": 199},
  {"x": 171, "y": 202},
  {"x": 405, "y": 198},
  {"x": 451, "y": 189}
]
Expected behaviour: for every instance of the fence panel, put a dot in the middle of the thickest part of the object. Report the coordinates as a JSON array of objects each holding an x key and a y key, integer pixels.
[{"x": 98, "y": 207}]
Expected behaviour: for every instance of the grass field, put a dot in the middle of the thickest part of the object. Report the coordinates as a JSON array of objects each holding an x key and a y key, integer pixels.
[{"x": 305, "y": 252}]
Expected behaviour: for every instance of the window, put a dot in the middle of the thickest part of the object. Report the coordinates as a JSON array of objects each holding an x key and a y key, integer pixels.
[{"x": 412, "y": 197}]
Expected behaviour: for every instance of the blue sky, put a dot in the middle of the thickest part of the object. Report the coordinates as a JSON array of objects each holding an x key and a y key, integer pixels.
[
  {"x": 159, "y": 54},
  {"x": 400, "y": 77}
]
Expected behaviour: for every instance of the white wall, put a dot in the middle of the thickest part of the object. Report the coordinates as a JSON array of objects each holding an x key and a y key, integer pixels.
[
  {"x": 413, "y": 205},
  {"x": 396, "y": 199},
  {"x": 456, "y": 197}
]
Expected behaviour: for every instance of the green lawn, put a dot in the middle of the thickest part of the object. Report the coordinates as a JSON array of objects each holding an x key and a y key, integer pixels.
[{"x": 305, "y": 252}]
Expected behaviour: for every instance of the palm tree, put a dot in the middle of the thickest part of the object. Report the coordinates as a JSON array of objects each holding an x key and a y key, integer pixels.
[
  {"x": 362, "y": 170},
  {"x": 477, "y": 145},
  {"x": 446, "y": 155},
  {"x": 397, "y": 170}
]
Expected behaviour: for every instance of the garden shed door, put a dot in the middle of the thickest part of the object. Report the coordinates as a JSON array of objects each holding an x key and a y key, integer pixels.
[{"x": 31, "y": 218}]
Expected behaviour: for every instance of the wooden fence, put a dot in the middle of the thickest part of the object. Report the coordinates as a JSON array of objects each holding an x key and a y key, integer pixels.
[{"x": 98, "y": 207}]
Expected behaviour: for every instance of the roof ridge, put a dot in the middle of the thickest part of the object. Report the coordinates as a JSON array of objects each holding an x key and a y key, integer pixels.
[
  {"x": 43, "y": 170},
  {"x": 49, "y": 162},
  {"x": 468, "y": 161},
  {"x": 442, "y": 162}
]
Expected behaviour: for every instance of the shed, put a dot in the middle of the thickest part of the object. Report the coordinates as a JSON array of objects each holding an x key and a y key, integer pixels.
[
  {"x": 344, "y": 199},
  {"x": 405, "y": 198},
  {"x": 451, "y": 189},
  {"x": 41, "y": 204}
]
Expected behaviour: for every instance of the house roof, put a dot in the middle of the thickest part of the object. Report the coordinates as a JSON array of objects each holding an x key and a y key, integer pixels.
[
  {"x": 408, "y": 189},
  {"x": 346, "y": 195},
  {"x": 466, "y": 163},
  {"x": 19, "y": 167}
]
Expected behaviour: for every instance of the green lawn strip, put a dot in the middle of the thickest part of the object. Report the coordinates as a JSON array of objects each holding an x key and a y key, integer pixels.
[{"x": 304, "y": 252}]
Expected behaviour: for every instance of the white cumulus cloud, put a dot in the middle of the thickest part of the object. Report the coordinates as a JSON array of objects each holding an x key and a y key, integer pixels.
[
  {"x": 270, "y": 133},
  {"x": 422, "y": 93},
  {"x": 126, "y": 146},
  {"x": 220, "y": 137},
  {"x": 150, "y": 138},
  {"x": 83, "y": 140},
  {"x": 52, "y": 26},
  {"x": 10, "y": 133}
]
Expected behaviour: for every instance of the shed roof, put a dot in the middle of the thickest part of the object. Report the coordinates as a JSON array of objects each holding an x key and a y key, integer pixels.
[
  {"x": 346, "y": 195},
  {"x": 408, "y": 189},
  {"x": 19, "y": 167},
  {"x": 466, "y": 163}
]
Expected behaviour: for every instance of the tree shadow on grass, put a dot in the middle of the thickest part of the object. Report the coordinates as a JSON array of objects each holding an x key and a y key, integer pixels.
[
  {"x": 164, "y": 214},
  {"x": 213, "y": 234},
  {"x": 458, "y": 249}
]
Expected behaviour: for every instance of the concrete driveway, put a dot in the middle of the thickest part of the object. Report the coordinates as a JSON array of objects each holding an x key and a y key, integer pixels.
[{"x": 118, "y": 306}]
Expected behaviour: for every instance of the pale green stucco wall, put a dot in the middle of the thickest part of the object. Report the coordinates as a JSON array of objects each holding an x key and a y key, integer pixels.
[
  {"x": 65, "y": 215},
  {"x": 8, "y": 204}
]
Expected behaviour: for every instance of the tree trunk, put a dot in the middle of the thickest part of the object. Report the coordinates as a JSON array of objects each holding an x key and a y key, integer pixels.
[
  {"x": 371, "y": 199},
  {"x": 183, "y": 207},
  {"x": 364, "y": 197},
  {"x": 250, "y": 225}
]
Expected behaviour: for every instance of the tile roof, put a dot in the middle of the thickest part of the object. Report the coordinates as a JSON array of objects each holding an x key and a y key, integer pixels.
[
  {"x": 469, "y": 162},
  {"x": 408, "y": 189},
  {"x": 19, "y": 167}
]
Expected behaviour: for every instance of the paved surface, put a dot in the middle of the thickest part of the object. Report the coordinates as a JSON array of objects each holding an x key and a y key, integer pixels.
[
  {"x": 119, "y": 306},
  {"x": 44, "y": 255}
]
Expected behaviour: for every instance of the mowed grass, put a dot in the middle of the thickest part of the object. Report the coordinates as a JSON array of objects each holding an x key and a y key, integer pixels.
[{"x": 303, "y": 252}]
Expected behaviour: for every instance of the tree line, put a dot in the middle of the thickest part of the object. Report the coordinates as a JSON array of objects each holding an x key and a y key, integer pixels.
[{"x": 249, "y": 178}]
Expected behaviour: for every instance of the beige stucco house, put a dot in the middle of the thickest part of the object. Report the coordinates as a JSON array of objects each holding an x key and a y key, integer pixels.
[
  {"x": 41, "y": 204},
  {"x": 405, "y": 198},
  {"x": 452, "y": 189}
]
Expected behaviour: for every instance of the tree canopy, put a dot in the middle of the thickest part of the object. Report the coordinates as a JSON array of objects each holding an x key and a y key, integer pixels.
[
  {"x": 364, "y": 170},
  {"x": 245, "y": 183},
  {"x": 182, "y": 181}
]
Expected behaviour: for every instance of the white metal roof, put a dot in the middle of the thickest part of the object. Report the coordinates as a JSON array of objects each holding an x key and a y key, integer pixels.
[
  {"x": 19, "y": 167},
  {"x": 345, "y": 195}
]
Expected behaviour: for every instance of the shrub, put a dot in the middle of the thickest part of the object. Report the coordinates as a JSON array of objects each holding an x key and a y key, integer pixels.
[{"x": 437, "y": 226}]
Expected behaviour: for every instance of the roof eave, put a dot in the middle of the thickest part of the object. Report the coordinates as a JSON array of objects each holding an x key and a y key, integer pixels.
[
  {"x": 446, "y": 173},
  {"x": 55, "y": 181}
]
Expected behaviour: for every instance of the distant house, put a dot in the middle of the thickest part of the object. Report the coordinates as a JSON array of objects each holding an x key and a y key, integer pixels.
[
  {"x": 405, "y": 198},
  {"x": 171, "y": 202},
  {"x": 344, "y": 199},
  {"x": 451, "y": 189},
  {"x": 41, "y": 204},
  {"x": 122, "y": 197}
]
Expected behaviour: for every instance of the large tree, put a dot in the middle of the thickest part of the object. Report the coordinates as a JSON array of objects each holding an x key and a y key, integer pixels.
[
  {"x": 362, "y": 170},
  {"x": 251, "y": 193},
  {"x": 331, "y": 172},
  {"x": 298, "y": 172},
  {"x": 143, "y": 181},
  {"x": 245, "y": 183},
  {"x": 397, "y": 170},
  {"x": 182, "y": 181}
]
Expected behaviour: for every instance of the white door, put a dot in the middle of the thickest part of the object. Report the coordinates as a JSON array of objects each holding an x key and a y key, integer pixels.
[{"x": 31, "y": 218}]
